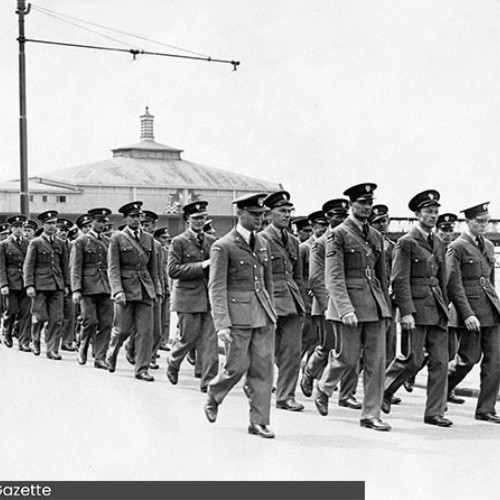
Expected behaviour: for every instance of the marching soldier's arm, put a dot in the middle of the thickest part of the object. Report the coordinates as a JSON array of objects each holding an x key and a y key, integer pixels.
[
  {"x": 381, "y": 271},
  {"x": 153, "y": 267},
  {"x": 401, "y": 271},
  {"x": 3, "y": 266},
  {"x": 317, "y": 274},
  {"x": 268, "y": 275},
  {"x": 297, "y": 270},
  {"x": 217, "y": 286},
  {"x": 65, "y": 266},
  {"x": 455, "y": 286},
  {"x": 76, "y": 265},
  {"x": 335, "y": 275},
  {"x": 114, "y": 270},
  {"x": 177, "y": 269},
  {"x": 29, "y": 265},
  {"x": 443, "y": 274}
]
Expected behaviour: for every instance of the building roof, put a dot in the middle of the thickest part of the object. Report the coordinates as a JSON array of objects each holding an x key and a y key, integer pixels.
[{"x": 149, "y": 163}]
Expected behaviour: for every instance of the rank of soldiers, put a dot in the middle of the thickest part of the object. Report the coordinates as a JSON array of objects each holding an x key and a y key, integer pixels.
[{"x": 322, "y": 305}]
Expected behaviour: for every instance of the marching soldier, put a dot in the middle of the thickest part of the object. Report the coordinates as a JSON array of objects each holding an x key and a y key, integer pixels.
[
  {"x": 132, "y": 273},
  {"x": 310, "y": 330},
  {"x": 188, "y": 263},
  {"x": 84, "y": 223},
  {"x": 418, "y": 278},
  {"x": 356, "y": 284},
  {"x": 475, "y": 310},
  {"x": 29, "y": 228},
  {"x": 303, "y": 228},
  {"x": 241, "y": 296},
  {"x": 336, "y": 211},
  {"x": 91, "y": 289},
  {"x": 17, "y": 303},
  {"x": 287, "y": 285},
  {"x": 46, "y": 279}
]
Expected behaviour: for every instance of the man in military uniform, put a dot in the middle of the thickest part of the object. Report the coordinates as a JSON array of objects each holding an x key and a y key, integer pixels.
[
  {"x": 303, "y": 228},
  {"x": 84, "y": 223},
  {"x": 163, "y": 236},
  {"x": 91, "y": 289},
  {"x": 46, "y": 279},
  {"x": 358, "y": 303},
  {"x": 17, "y": 303},
  {"x": 209, "y": 228},
  {"x": 419, "y": 284},
  {"x": 188, "y": 266},
  {"x": 287, "y": 284},
  {"x": 68, "y": 325},
  {"x": 29, "y": 228},
  {"x": 135, "y": 285},
  {"x": 310, "y": 330},
  {"x": 4, "y": 231},
  {"x": 241, "y": 296},
  {"x": 336, "y": 211},
  {"x": 475, "y": 310}
]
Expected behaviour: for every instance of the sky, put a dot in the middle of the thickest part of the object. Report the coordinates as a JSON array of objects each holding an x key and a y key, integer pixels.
[{"x": 329, "y": 93}]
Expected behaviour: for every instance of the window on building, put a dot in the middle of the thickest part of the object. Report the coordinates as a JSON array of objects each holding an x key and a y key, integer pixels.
[
  {"x": 45, "y": 198},
  {"x": 31, "y": 197},
  {"x": 61, "y": 199}
]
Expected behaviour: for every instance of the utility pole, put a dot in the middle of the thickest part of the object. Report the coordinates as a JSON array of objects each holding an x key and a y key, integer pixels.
[{"x": 21, "y": 11}]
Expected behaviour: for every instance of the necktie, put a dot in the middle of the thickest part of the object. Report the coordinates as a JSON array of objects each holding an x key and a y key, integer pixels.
[
  {"x": 429, "y": 239},
  {"x": 284, "y": 237},
  {"x": 480, "y": 243},
  {"x": 136, "y": 235},
  {"x": 365, "y": 229},
  {"x": 200, "y": 238},
  {"x": 252, "y": 240}
]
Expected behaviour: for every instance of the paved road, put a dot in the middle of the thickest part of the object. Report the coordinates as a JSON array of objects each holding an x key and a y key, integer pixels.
[{"x": 61, "y": 421}]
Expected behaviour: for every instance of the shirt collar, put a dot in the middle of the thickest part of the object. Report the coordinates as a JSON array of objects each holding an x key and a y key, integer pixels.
[
  {"x": 243, "y": 232},
  {"x": 424, "y": 233},
  {"x": 357, "y": 222}
]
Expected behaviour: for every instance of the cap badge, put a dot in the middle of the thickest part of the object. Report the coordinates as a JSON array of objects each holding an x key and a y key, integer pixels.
[
  {"x": 344, "y": 204},
  {"x": 431, "y": 196},
  {"x": 260, "y": 202},
  {"x": 485, "y": 206},
  {"x": 447, "y": 218},
  {"x": 198, "y": 206},
  {"x": 368, "y": 188},
  {"x": 375, "y": 211}
]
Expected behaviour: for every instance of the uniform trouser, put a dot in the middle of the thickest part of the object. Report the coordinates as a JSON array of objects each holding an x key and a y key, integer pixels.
[
  {"x": 310, "y": 336},
  {"x": 435, "y": 340},
  {"x": 97, "y": 318},
  {"x": 18, "y": 307},
  {"x": 165, "y": 320},
  {"x": 250, "y": 352},
  {"x": 287, "y": 344},
  {"x": 352, "y": 341},
  {"x": 390, "y": 342},
  {"x": 134, "y": 316},
  {"x": 47, "y": 306},
  {"x": 68, "y": 324},
  {"x": 470, "y": 348},
  {"x": 452, "y": 342},
  {"x": 157, "y": 331},
  {"x": 196, "y": 330},
  {"x": 319, "y": 359}
]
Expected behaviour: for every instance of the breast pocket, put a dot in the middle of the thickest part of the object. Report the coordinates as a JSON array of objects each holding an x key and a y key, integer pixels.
[
  {"x": 419, "y": 268},
  {"x": 277, "y": 263},
  {"x": 353, "y": 258},
  {"x": 470, "y": 269},
  {"x": 127, "y": 255}
]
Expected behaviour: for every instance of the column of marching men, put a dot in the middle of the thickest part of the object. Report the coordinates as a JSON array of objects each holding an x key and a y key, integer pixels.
[{"x": 323, "y": 307}]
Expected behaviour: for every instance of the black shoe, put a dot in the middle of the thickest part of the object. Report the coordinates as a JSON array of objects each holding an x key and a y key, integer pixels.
[
  {"x": 306, "y": 384},
  {"x": 350, "y": 402},
  {"x": 408, "y": 384},
  {"x": 145, "y": 376},
  {"x": 455, "y": 399},
  {"x": 172, "y": 375},
  {"x": 321, "y": 402},
  {"x": 68, "y": 347},
  {"x": 154, "y": 365},
  {"x": 24, "y": 348},
  {"x": 36, "y": 348},
  {"x": 211, "y": 409},
  {"x": 191, "y": 357},
  {"x": 260, "y": 430},
  {"x": 439, "y": 421},
  {"x": 289, "y": 404},
  {"x": 488, "y": 417},
  {"x": 164, "y": 347},
  {"x": 395, "y": 400},
  {"x": 111, "y": 364},
  {"x": 204, "y": 389},
  {"x": 53, "y": 355},
  {"x": 386, "y": 403},
  {"x": 81, "y": 356},
  {"x": 375, "y": 424},
  {"x": 101, "y": 364},
  {"x": 197, "y": 375},
  {"x": 7, "y": 340},
  {"x": 130, "y": 357}
]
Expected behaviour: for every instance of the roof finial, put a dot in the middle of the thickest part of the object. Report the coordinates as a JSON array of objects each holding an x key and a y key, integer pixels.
[{"x": 147, "y": 126}]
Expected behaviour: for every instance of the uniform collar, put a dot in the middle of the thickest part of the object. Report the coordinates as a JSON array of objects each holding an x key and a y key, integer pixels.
[{"x": 245, "y": 233}]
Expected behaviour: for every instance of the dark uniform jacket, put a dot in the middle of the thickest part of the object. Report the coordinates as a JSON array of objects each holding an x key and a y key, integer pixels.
[
  {"x": 241, "y": 283},
  {"x": 471, "y": 283},
  {"x": 287, "y": 272},
  {"x": 355, "y": 273},
  {"x": 12, "y": 257},
  {"x": 190, "y": 292},
  {"x": 88, "y": 266},
  {"x": 46, "y": 264},
  {"x": 418, "y": 278},
  {"x": 132, "y": 266},
  {"x": 317, "y": 275}
]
